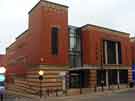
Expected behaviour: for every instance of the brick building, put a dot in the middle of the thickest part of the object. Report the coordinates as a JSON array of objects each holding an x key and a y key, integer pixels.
[
  {"x": 133, "y": 49},
  {"x": 2, "y": 58},
  {"x": 133, "y": 57},
  {"x": 105, "y": 56},
  {"x": 89, "y": 54}
]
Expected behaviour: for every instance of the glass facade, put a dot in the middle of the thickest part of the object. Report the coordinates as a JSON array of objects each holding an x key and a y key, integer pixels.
[
  {"x": 111, "y": 52},
  {"x": 74, "y": 47}
]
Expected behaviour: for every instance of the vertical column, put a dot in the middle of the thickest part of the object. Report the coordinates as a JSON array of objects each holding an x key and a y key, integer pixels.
[
  {"x": 106, "y": 62},
  {"x": 92, "y": 78},
  {"x": 118, "y": 78},
  {"x": 107, "y": 79},
  {"x": 116, "y": 51},
  {"x": 117, "y": 62},
  {"x": 129, "y": 73},
  {"x": 105, "y": 51}
]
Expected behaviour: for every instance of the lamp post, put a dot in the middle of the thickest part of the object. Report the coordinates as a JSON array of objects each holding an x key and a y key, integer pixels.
[{"x": 41, "y": 73}]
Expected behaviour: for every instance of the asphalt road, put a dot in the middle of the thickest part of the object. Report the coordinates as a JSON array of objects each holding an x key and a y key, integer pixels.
[
  {"x": 122, "y": 96},
  {"x": 16, "y": 98},
  {"x": 117, "y": 96}
]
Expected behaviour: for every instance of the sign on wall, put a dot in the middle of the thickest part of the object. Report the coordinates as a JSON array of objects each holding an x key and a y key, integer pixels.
[
  {"x": 133, "y": 72},
  {"x": 2, "y": 78}
]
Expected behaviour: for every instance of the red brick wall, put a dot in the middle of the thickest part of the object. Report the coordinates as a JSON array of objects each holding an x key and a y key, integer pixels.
[
  {"x": 53, "y": 18},
  {"x": 92, "y": 41},
  {"x": 2, "y": 60},
  {"x": 133, "y": 51},
  {"x": 35, "y": 27},
  {"x": 36, "y": 42}
]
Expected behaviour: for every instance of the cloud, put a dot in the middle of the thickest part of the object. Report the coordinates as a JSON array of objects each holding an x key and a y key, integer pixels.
[
  {"x": 13, "y": 20},
  {"x": 116, "y": 14}
]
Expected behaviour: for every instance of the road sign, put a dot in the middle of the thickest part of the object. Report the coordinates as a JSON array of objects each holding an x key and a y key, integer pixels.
[
  {"x": 2, "y": 78},
  {"x": 133, "y": 72}
]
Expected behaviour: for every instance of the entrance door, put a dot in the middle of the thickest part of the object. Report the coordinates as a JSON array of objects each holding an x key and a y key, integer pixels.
[
  {"x": 78, "y": 79},
  {"x": 123, "y": 76},
  {"x": 112, "y": 77},
  {"x": 101, "y": 76}
]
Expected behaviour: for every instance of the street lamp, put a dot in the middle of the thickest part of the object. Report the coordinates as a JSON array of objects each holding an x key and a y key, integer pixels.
[
  {"x": 41, "y": 73},
  {"x": 2, "y": 70}
]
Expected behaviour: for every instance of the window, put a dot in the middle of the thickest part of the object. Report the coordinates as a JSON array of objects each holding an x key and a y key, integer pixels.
[
  {"x": 111, "y": 52},
  {"x": 54, "y": 40},
  {"x": 112, "y": 48},
  {"x": 101, "y": 75},
  {"x": 119, "y": 53},
  {"x": 75, "y": 60},
  {"x": 74, "y": 39},
  {"x": 75, "y": 43},
  {"x": 74, "y": 47}
]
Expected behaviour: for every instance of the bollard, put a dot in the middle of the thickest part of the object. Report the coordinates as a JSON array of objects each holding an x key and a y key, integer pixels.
[
  {"x": 102, "y": 86},
  {"x": 109, "y": 88},
  {"x": 131, "y": 84},
  {"x": 118, "y": 86},
  {"x": 95, "y": 88},
  {"x": 66, "y": 92},
  {"x": 56, "y": 92}
]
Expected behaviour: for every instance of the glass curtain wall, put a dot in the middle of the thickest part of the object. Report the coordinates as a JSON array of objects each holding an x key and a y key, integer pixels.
[
  {"x": 74, "y": 47},
  {"x": 111, "y": 52}
]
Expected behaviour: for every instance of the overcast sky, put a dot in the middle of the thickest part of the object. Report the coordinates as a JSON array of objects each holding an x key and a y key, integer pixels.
[{"x": 115, "y": 14}]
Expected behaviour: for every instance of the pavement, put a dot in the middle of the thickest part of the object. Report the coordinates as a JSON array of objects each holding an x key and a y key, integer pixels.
[
  {"x": 16, "y": 98},
  {"x": 117, "y": 95},
  {"x": 127, "y": 94}
]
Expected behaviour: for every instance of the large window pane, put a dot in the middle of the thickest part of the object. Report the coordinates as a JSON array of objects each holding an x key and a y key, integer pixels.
[
  {"x": 119, "y": 53},
  {"x": 75, "y": 60},
  {"x": 111, "y": 52},
  {"x": 75, "y": 47},
  {"x": 54, "y": 40}
]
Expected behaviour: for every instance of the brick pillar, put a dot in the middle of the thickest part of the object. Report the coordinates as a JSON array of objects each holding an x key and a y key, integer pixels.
[
  {"x": 129, "y": 73},
  {"x": 92, "y": 78}
]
